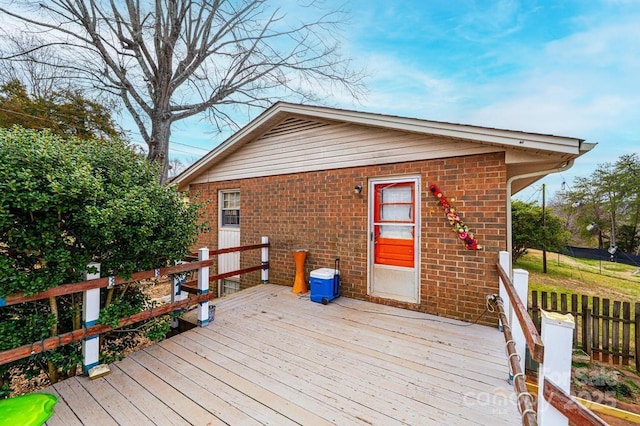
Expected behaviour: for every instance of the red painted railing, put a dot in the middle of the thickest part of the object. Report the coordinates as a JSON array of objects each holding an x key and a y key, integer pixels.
[{"x": 87, "y": 332}]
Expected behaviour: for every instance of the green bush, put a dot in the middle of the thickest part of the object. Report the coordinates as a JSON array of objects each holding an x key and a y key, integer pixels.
[{"x": 67, "y": 202}]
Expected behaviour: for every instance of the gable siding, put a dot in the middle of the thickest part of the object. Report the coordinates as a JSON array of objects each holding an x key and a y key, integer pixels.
[{"x": 297, "y": 146}]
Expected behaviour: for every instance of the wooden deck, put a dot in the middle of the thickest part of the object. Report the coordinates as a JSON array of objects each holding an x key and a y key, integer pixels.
[{"x": 272, "y": 357}]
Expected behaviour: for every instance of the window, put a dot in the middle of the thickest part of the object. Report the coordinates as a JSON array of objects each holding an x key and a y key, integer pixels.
[
  {"x": 395, "y": 210},
  {"x": 230, "y": 209},
  {"x": 230, "y": 287}
]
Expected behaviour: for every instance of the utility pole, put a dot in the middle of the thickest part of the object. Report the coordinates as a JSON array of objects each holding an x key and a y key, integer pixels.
[{"x": 544, "y": 232}]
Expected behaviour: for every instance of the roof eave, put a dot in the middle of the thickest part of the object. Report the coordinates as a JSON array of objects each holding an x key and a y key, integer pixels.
[{"x": 573, "y": 147}]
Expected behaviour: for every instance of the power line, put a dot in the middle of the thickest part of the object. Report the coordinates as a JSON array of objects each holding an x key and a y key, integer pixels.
[
  {"x": 143, "y": 146},
  {"x": 27, "y": 115},
  {"x": 49, "y": 120},
  {"x": 535, "y": 194},
  {"x": 183, "y": 152},
  {"x": 190, "y": 146},
  {"x": 134, "y": 132}
]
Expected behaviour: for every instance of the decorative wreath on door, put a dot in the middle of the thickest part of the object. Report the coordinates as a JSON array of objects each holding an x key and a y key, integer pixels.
[{"x": 455, "y": 221}]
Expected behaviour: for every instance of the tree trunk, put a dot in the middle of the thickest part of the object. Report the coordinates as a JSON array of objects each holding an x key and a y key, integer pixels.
[
  {"x": 52, "y": 370},
  {"x": 77, "y": 311},
  {"x": 612, "y": 240},
  {"x": 636, "y": 217},
  {"x": 159, "y": 144},
  {"x": 107, "y": 302},
  {"x": 76, "y": 302}
]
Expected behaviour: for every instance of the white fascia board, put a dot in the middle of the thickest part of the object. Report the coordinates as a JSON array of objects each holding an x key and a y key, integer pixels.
[{"x": 507, "y": 138}]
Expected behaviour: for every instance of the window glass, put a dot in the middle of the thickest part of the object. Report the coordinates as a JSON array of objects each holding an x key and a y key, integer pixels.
[
  {"x": 396, "y": 203},
  {"x": 395, "y": 212},
  {"x": 398, "y": 232},
  {"x": 230, "y": 212},
  {"x": 397, "y": 194},
  {"x": 230, "y": 286}
]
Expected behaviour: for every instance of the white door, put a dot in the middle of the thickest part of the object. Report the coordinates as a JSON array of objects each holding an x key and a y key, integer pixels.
[
  {"x": 394, "y": 239},
  {"x": 229, "y": 236}
]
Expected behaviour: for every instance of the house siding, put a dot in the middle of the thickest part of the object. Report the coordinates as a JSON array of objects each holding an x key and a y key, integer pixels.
[
  {"x": 297, "y": 146},
  {"x": 318, "y": 211}
]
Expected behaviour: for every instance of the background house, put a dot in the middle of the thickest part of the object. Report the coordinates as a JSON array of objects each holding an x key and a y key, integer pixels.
[{"x": 291, "y": 175}]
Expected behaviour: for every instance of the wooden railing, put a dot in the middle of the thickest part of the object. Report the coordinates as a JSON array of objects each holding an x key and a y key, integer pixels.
[
  {"x": 534, "y": 341},
  {"x": 575, "y": 412},
  {"x": 85, "y": 333},
  {"x": 105, "y": 282},
  {"x": 555, "y": 405},
  {"x": 526, "y": 405},
  {"x": 91, "y": 331}
]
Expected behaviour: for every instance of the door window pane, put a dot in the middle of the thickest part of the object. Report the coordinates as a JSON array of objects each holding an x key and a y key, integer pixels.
[
  {"x": 398, "y": 232},
  {"x": 397, "y": 194},
  {"x": 395, "y": 203},
  {"x": 396, "y": 212}
]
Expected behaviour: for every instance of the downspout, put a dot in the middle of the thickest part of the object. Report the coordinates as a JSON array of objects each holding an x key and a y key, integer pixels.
[{"x": 512, "y": 179}]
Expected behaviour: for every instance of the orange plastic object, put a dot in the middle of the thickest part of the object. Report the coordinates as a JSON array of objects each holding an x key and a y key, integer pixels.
[{"x": 300, "y": 285}]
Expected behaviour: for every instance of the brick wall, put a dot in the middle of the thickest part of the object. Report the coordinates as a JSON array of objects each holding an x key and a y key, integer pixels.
[{"x": 320, "y": 212}]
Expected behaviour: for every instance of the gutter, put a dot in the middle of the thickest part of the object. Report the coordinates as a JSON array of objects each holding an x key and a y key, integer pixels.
[{"x": 512, "y": 179}]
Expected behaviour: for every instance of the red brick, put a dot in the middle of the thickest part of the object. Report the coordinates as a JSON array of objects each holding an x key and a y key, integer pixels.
[{"x": 319, "y": 211}]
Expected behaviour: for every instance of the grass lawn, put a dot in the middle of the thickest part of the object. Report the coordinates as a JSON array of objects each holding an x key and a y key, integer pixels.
[
  {"x": 566, "y": 274},
  {"x": 606, "y": 280}
]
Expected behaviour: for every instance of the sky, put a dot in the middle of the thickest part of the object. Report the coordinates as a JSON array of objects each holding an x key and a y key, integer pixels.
[{"x": 568, "y": 68}]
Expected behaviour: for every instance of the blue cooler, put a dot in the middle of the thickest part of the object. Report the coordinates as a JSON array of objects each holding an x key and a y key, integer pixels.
[{"x": 325, "y": 284}]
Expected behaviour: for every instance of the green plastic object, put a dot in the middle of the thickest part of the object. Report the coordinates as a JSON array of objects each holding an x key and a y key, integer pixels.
[{"x": 27, "y": 410}]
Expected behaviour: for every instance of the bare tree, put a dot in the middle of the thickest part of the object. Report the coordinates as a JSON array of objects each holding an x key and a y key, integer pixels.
[
  {"x": 172, "y": 59},
  {"x": 39, "y": 79},
  {"x": 177, "y": 166}
]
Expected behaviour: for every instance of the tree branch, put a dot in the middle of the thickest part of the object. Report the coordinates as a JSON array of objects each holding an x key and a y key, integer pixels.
[{"x": 171, "y": 59}]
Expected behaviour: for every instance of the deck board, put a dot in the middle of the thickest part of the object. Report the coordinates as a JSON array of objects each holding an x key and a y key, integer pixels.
[
  {"x": 392, "y": 343},
  {"x": 189, "y": 364},
  {"x": 155, "y": 409},
  {"x": 272, "y": 357},
  {"x": 166, "y": 392},
  {"x": 357, "y": 388},
  {"x": 362, "y": 367},
  {"x": 83, "y": 404},
  {"x": 117, "y": 405},
  {"x": 298, "y": 386},
  {"x": 261, "y": 382},
  {"x": 64, "y": 416}
]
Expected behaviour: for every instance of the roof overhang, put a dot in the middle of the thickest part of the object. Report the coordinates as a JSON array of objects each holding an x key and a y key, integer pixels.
[{"x": 529, "y": 151}]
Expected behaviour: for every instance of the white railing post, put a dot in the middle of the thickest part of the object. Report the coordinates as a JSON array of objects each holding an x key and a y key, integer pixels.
[
  {"x": 521, "y": 284},
  {"x": 557, "y": 336},
  {"x": 265, "y": 259},
  {"x": 90, "y": 314},
  {"x": 505, "y": 261},
  {"x": 203, "y": 288}
]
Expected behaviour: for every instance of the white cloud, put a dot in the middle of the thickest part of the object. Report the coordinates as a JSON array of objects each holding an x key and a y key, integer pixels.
[
  {"x": 488, "y": 21},
  {"x": 397, "y": 87},
  {"x": 584, "y": 84}
]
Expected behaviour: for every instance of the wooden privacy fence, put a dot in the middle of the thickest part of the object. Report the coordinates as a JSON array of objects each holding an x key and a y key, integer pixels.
[
  {"x": 607, "y": 331},
  {"x": 197, "y": 288}
]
